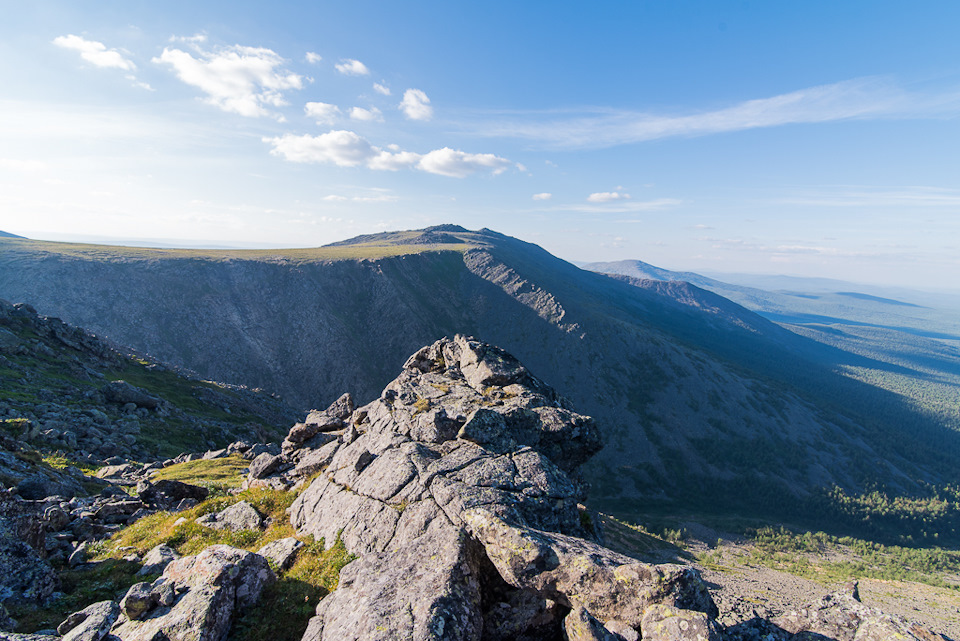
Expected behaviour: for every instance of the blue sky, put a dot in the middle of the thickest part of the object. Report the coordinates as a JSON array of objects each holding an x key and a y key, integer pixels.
[{"x": 814, "y": 138}]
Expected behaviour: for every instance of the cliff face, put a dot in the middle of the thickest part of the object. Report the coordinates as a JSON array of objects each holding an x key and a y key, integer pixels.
[{"x": 692, "y": 390}]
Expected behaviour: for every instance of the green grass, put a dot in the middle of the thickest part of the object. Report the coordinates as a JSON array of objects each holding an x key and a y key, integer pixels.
[
  {"x": 286, "y": 606},
  {"x": 220, "y": 473},
  {"x": 806, "y": 555}
]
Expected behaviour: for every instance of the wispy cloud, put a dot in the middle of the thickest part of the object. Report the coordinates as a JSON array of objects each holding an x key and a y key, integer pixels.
[
  {"x": 237, "y": 79},
  {"x": 617, "y": 207},
  {"x": 860, "y": 98},
  {"x": 96, "y": 53},
  {"x": 381, "y": 89},
  {"x": 865, "y": 196},
  {"x": 313, "y": 58},
  {"x": 607, "y": 197},
  {"x": 543, "y": 196}
]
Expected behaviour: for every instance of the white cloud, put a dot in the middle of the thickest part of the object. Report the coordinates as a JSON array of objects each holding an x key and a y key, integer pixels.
[
  {"x": 342, "y": 148},
  {"x": 607, "y": 197},
  {"x": 323, "y": 112},
  {"x": 379, "y": 198},
  {"x": 237, "y": 79},
  {"x": 451, "y": 162},
  {"x": 386, "y": 161},
  {"x": 350, "y": 67},
  {"x": 96, "y": 53},
  {"x": 347, "y": 149},
  {"x": 367, "y": 115},
  {"x": 860, "y": 98},
  {"x": 416, "y": 105},
  {"x": 543, "y": 196},
  {"x": 381, "y": 89},
  {"x": 313, "y": 58}
]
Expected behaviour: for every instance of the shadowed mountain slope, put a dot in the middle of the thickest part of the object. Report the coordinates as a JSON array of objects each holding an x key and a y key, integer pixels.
[{"x": 699, "y": 400}]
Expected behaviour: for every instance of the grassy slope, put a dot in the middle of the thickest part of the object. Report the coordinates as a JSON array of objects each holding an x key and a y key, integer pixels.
[{"x": 284, "y": 608}]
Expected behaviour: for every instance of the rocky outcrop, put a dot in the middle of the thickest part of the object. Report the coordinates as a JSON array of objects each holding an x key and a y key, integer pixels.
[
  {"x": 841, "y": 616},
  {"x": 459, "y": 490},
  {"x": 196, "y": 598}
]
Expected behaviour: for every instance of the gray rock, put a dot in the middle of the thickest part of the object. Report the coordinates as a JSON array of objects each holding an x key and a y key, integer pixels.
[
  {"x": 580, "y": 625},
  {"x": 459, "y": 467},
  {"x": 138, "y": 601},
  {"x": 263, "y": 465},
  {"x": 26, "y": 578},
  {"x": 341, "y": 408},
  {"x": 39, "y": 486},
  {"x": 841, "y": 616},
  {"x": 79, "y": 555},
  {"x": 239, "y": 516},
  {"x": 665, "y": 623},
  {"x": 282, "y": 552},
  {"x": 157, "y": 559},
  {"x": 90, "y": 624},
  {"x": 121, "y": 392},
  {"x": 166, "y": 493},
  {"x": 576, "y": 572},
  {"x": 209, "y": 588},
  {"x": 399, "y": 595},
  {"x": 316, "y": 460}
]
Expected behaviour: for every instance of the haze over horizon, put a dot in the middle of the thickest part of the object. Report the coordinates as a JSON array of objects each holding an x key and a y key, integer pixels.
[{"x": 814, "y": 140}]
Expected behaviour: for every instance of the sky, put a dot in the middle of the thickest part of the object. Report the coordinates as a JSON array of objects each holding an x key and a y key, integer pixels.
[{"x": 802, "y": 138}]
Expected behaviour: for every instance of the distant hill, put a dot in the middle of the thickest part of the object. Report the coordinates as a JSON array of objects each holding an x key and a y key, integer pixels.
[
  {"x": 4, "y": 234},
  {"x": 702, "y": 402}
]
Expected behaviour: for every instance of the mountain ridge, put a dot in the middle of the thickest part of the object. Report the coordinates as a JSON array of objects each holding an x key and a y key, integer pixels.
[{"x": 675, "y": 388}]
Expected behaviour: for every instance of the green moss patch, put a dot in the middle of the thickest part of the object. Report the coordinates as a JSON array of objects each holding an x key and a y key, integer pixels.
[{"x": 220, "y": 473}]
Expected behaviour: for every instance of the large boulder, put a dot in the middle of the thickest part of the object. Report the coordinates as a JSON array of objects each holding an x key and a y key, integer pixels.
[
  {"x": 458, "y": 489},
  {"x": 92, "y": 623},
  {"x": 122, "y": 392},
  {"x": 237, "y": 517},
  {"x": 166, "y": 493},
  {"x": 196, "y": 598},
  {"x": 25, "y": 577},
  {"x": 841, "y": 616}
]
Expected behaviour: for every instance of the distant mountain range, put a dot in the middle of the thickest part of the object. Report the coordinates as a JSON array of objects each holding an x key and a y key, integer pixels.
[{"x": 702, "y": 402}]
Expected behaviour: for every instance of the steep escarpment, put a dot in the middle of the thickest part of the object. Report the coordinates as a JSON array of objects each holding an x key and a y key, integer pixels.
[{"x": 699, "y": 399}]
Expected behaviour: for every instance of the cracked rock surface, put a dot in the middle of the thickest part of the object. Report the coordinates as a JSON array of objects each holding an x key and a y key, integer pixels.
[{"x": 458, "y": 489}]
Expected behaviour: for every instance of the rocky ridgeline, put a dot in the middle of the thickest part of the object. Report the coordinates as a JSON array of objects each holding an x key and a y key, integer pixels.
[{"x": 459, "y": 491}]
